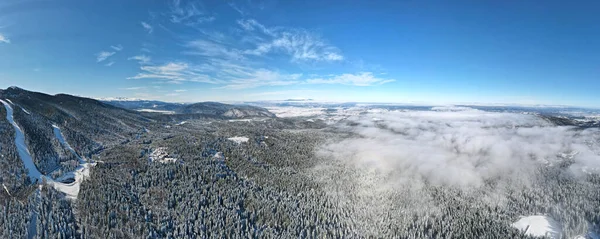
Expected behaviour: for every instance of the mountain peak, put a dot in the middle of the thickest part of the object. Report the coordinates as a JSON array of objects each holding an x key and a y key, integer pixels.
[{"x": 14, "y": 88}]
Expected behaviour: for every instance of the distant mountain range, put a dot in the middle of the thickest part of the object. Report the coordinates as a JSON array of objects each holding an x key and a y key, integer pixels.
[{"x": 203, "y": 108}]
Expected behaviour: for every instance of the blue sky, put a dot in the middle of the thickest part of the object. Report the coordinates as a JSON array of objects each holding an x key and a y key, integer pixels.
[{"x": 522, "y": 52}]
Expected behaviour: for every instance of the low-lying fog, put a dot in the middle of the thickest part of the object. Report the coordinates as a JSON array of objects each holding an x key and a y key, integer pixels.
[{"x": 387, "y": 159}]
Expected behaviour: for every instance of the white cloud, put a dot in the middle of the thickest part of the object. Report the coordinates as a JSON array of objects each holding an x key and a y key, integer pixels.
[
  {"x": 180, "y": 90},
  {"x": 212, "y": 49},
  {"x": 190, "y": 13},
  {"x": 117, "y": 47},
  {"x": 262, "y": 77},
  {"x": 142, "y": 59},
  {"x": 110, "y": 63},
  {"x": 251, "y": 25},
  {"x": 361, "y": 79},
  {"x": 300, "y": 44},
  {"x": 4, "y": 39},
  {"x": 147, "y": 27},
  {"x": 103, "y": 55},
  {"x": 237, "y": 8},
  {"x": 175, "y": 73}
]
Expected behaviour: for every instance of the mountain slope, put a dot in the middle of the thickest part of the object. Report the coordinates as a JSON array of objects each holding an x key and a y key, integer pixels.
[
  {"x": 202, "y": 109},
  {"x": 88, "y": 125},
  {"x": 225, "y": 110}
]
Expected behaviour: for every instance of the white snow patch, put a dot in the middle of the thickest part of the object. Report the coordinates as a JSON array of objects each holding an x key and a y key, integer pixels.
[
  {"x": 160, "y": 154},
  {"x": 240, "y": 120},
  {"x": 167, "y": 112},
  {"x": 239, "y": 139},
  {"x": 181, "y": 123},
  {"x": 219, "y": 156},
  {"x": 5, "y": 188},
  {"x": 24, "y": 110},
  {"x": 539, "y": 225}
]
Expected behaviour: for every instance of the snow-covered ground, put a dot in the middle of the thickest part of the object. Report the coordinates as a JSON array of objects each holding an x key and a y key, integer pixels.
[
  {"x": 219, "y": 156},
  {"x": 539, "y": 225},
  {"x": 181, "y": 123},
  {"x": 239, "y": 139},
  {"x": 160, "y": 154},
  {"x": 240, "y": 120},
  {"x": 70, "y": 189},
  {"x": 157, "y": 111}
]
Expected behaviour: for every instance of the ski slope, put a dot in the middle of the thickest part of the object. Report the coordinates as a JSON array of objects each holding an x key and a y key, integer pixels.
[
  {"x": 33, "y": 172},
  {"x": 70, "y": 189}
]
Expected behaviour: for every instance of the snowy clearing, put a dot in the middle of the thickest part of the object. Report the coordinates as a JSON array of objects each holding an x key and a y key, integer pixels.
[
  {"x": 160, "y": 154},
  {"x": 539, "y": 226},
  {"x": 181, "y": 123},
  {"x": 239, "y": 139},
  {"x": 219, "y": 156}
]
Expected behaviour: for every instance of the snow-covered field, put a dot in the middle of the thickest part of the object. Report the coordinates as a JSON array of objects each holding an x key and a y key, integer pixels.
[
  {"x": 239, "y": 139},
  {"x": 539, "y": 225}
]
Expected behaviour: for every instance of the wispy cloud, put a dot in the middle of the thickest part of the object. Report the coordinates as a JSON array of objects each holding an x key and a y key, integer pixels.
[
  {"x": 300, "y": 44},
  {"x": 237, "y": 8},
  {"x": 189, "y": 13},
  {"x": 180, "y": 90},
  {"x": 4, "y": 39},
  {"x": 103, "y": 55},
  {"x": 117, "y": 47},
  {"x": 263, "y": 77},
  {"x": 360, "y": 79},
  {"x": 212, "y": 49},
  {"x": 147, "y": 27},
  {"x": 238, "y": 60},
  {"x": 174, "y": 72},
  {"x": 110, "y": 63},
  {"x": 142, "y": 59}
]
